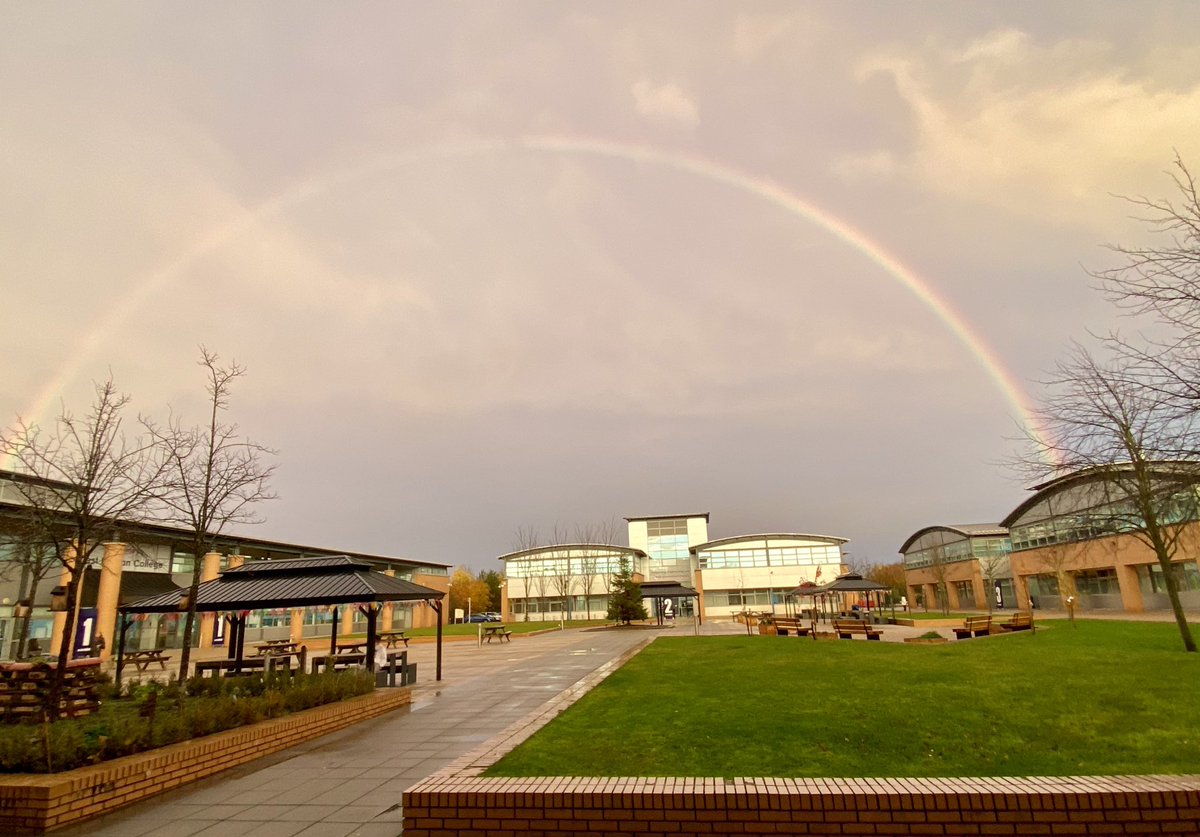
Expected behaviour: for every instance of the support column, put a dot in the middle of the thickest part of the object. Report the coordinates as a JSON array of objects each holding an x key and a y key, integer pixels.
[
  {"x": 210, "y": 569},
  {"x": 387, "y": 615},
  {"x": 296, "y": 633},
  {"x": 347, "y": 626},
  {"x": 108, "y": 595},
  {"x": 1131, "y": 589}
]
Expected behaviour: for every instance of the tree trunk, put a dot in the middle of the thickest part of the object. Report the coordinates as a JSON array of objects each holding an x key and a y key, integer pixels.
[
  {"x": 74, "y": 587},
  {"x": 189, "y": 619},
  {"x": 1185, "y": 631}
]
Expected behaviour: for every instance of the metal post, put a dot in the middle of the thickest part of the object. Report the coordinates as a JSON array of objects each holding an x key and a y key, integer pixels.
[
  {"x": 121, "y": 629},
  {"x": 437, "y": 606}
]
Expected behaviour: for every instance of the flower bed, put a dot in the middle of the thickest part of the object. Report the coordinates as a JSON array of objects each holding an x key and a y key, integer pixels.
[
  {"x": 148, "y": 716},
  {"x": 35, "y": 804}
]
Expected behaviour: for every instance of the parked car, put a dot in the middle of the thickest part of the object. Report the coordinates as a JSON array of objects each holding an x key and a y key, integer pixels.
[{"x": 484, "y": 617}]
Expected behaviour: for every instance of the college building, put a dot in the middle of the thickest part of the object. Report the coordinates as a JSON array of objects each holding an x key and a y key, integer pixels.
[
  {"x": 746, "y": 572},
  {"x": 144, "y": 559},
  {"x": 1073, "y": 536}
]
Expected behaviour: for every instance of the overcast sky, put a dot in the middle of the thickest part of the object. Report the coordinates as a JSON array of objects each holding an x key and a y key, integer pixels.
[{"x": 522, "y": 264}]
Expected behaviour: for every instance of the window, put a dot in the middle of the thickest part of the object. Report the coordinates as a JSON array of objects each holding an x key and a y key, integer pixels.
[
  {"x": 966, "y": 593},
  {"x": 1096, "y": 582}
]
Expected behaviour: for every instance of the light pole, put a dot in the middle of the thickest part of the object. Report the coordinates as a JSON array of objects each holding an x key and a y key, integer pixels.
[{"x": 771, "y": 589}]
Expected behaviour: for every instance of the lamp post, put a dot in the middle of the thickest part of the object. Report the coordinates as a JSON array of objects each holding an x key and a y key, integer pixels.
[{"x": 771, "y": 589}]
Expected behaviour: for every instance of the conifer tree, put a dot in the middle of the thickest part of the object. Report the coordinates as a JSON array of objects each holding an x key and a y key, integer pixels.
[{"x": 625, "y": 598}]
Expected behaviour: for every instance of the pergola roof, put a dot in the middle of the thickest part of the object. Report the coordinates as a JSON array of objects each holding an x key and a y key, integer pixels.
[
  {"x": 666, "y": 590},
  {"x": 847, "y": 583},
  {"x": 296, "y": 582}
]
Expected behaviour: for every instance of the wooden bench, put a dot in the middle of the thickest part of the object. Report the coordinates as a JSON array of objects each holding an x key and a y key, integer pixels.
[
  {"x": 974, "y": 626},
  {"x": 788, "y": 625},
  {"x": 847, "y": 628},
  {"x": 1018, "y": 622}
]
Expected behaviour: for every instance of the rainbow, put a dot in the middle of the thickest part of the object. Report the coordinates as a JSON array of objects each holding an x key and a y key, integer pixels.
[{"x": 693, "y": 164}]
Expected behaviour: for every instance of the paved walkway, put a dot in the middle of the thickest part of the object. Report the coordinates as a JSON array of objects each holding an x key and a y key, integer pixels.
[{"x": 349, "y": 783}]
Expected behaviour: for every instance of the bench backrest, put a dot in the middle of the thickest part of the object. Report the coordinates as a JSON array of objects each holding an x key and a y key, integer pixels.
[{"x": 853, "y": 625}]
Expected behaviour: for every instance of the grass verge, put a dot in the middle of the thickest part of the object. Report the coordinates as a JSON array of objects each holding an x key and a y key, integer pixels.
[{"x": 1103, "y": 698}]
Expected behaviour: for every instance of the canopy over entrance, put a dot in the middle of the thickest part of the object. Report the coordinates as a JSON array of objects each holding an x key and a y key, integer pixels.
[
  {"x": 295, "y": 583},
  {"x": 661, "y": 590}
]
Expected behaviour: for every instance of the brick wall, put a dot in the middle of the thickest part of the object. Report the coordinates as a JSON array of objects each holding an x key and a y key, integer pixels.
[
  {"x": 35, "y": 803},
  {"x": 466, "y": 806},
  {"x": 460, "y": 802}
]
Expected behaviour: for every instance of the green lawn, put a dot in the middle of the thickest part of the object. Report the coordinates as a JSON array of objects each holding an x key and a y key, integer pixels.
[{"x": 1101, "y": 698}]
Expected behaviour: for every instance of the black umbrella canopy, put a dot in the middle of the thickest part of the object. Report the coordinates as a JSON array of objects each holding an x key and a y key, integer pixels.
[{"x": 298, "y": 582}]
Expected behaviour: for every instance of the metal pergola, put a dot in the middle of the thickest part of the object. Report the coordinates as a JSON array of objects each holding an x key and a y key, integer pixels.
[
  {"x": 845, "y": 583},
  {"x": 333, "y": 581}
]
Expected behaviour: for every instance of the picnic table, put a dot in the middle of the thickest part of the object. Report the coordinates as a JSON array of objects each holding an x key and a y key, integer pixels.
[
  {"x": 144, "y": 659},
  {"x": 496, "y": 629},
  {"x": 338, "y": 662},
  {"x": 276, "y": 646},
  {"x": 393, "y": 638}
]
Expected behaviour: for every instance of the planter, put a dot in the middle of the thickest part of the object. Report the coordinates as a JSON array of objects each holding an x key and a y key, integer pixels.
[
  {"x": 768, "y": 630},
  {"x": 917, "y": 640},
  {"x": 34, "y": 803}
]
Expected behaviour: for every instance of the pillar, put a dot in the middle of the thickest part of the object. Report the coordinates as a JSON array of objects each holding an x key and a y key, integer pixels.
[
  {"x": 209, "y": 570},
  {"x": 347, "y": 626},
  {"x": 388, "y": 614},
  {"x": 108, "y": 596},
  {"x": 296, "y": 633},
  {"x": 1131, "y": 589}
]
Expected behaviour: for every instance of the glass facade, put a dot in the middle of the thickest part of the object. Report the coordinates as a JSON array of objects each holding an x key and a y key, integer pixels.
[
  {"x": 743, "y": 598},
  {"x": 1100, "y": 520},
  {"x": 761, "y": 556},
  {"x": 667, "y": 540}
]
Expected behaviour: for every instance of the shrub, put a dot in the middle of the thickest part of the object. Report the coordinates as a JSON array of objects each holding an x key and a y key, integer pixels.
[{"x": 153, "y": 715}]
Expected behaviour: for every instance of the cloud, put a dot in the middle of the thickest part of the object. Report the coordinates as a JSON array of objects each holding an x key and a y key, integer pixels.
[
  {"x": 665, "y": 103},
  {"x": 1005, "y": 117}
]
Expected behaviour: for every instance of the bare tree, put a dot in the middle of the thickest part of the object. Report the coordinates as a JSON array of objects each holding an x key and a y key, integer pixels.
[
  {"x": 1131, "y": 441},
  {"x": 526, "y": 538},
  {"x": 562, "y": 581},
  {"x": 86, "y": 480},
  {"x": 34, "y": 558},
  {"x": 215, "y": 477},
  {"x": 990, "y": 566},
  {"x": 939, "y": 568}
]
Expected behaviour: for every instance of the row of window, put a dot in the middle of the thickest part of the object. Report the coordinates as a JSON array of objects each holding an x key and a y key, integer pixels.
[
  {"x": 1101, "y": 521},
  {"x": 673, "y": 526},
  {"x": 960, "y": 550},
  {"x": 667, "y": 547},
  {"x": 788, "y": 556},
  {"x": 742, "y": 598},
  {"x": 591, "y": 565}
]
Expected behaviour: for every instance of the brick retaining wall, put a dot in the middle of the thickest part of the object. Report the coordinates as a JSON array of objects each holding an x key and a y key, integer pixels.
[
  {"x": 36, "y": 803},
  {"x": 459, "y": 802},
  {"x": 471, "y": 806}
]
